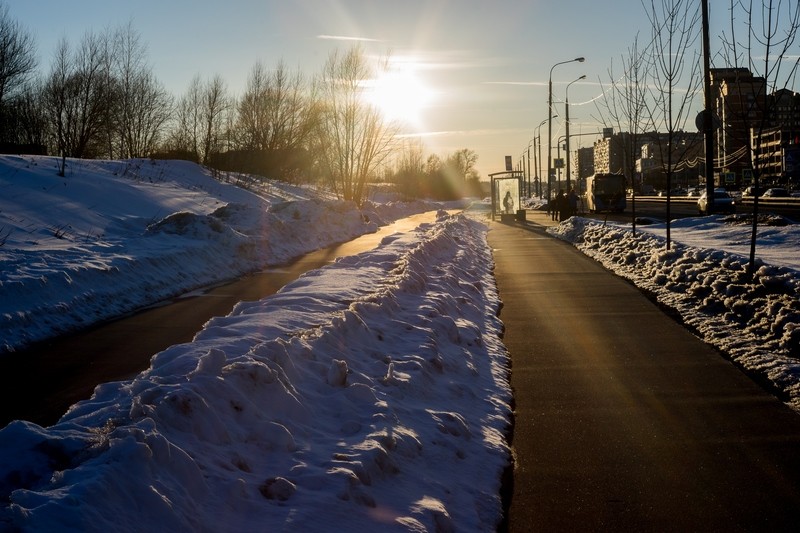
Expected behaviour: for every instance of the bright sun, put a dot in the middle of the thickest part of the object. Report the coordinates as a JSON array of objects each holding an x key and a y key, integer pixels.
[{"x": 400, "y": 94}]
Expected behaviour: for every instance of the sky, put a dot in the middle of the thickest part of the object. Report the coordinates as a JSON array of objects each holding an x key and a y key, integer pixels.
[
  {"x": 344, "y": 400},
  {"x": 484, "y": 65}
]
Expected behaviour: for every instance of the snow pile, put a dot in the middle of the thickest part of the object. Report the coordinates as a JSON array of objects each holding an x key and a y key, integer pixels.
[
  {"x": 113, "y": 236},
  {"x": 703, "y": 276},
  {"x": 368, "y": 395}
]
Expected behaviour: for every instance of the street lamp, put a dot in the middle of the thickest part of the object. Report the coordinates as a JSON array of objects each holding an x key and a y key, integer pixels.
[
  {"x": 550, "y": 121},
  {"x": 566, "y": 108},
  {"x": 528, "y": 183},
  {"x": 537, "y": 142}
]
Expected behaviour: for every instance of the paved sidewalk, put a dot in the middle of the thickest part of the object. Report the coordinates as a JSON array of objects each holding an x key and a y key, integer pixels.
[{"x": 624, "y": 420}]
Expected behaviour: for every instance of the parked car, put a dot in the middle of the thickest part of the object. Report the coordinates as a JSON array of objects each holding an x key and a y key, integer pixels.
[
  {"x": 723, "y": 202},
  {"x": 775, "y": 192},
  {"x": 673, "y": 192},
  {"x": 751, "y": 191}
]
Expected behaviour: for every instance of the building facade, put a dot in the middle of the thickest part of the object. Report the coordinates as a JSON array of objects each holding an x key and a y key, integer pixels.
[
  {"x": 643, "y": 158},
  {"x": 739, "y": 100},
  {"x": 776, "y": 149}
]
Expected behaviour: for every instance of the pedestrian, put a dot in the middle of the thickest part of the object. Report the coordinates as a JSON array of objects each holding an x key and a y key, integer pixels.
[
  {"x": 561, "y": 206},
  {"x": 573, "y": 202}
]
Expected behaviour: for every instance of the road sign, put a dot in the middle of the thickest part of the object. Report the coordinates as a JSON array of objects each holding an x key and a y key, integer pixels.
[{"x": 700, "y": 121}]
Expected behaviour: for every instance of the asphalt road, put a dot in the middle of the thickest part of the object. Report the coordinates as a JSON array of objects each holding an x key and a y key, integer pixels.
[{"x": 624, "y": 420}]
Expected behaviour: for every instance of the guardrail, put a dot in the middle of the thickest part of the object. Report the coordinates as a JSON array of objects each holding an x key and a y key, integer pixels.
[
  {"x": 781, "y": 202},
  {"x": 777, "y": 202}
]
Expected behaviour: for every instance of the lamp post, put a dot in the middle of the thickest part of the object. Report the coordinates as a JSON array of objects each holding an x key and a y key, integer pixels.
[
  {"x": 537, "y": 163},
  {"x": 550, "y": 121},
  {"x": 566, "y": 109},
  {"x": 530, "y": 194},
  {"x": 526, "y": 171}
]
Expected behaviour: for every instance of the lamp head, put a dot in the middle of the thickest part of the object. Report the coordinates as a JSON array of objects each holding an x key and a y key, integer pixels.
[{"x": 580, "y": 59}]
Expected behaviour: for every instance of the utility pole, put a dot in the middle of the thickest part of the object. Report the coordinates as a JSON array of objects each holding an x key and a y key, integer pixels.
[{"x": 708, "y": 122}]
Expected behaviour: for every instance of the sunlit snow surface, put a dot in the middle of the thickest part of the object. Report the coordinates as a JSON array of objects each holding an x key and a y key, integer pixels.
[{"x": 370, "y": 395}]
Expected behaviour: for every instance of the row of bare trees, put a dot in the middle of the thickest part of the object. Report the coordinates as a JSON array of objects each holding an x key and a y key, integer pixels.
[
  {"x": 448, "y": 178},
  {"x": 100, "y": 99},
  {"x": 657, "y": 88}
]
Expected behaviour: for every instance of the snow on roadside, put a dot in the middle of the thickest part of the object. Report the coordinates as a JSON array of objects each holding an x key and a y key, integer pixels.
[
  {"x": 756, "y": 322},
  {"x": 371, "y": 394},
  {"x": 111, "y": 237}
]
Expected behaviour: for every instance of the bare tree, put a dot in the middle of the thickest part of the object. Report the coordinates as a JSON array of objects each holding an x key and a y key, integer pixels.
[
  {"x": 274, "y": 112},
  {"x": 215, "y": 104},
  {"x": 76, "y": 97},
  {"x": 625, "y": 104},
  {"x": 763, "y": 43},
  {"x": 56, "y": 97},
  {"x": 27, "y": 121},
  {"x": 274, "y": 119},
  {"x": 462, "y": 164},
  {"x": 433, "y": 164},
  {"x": 17, "y": 55},
  {"x": 147, "y": 110},
  {"x": 252, "y": 111},
  {"x": 409, "y": 168},
  {"x": 17, "y": 64},
  {"x": 352, "y": 137},
  {"x": 141, "y": 106},
  {"x": 91, "y": 95},
  {"x": 201, "y": 119},
  {"x": 185, "y": 133},
  {"x": 675, "y": 78}
]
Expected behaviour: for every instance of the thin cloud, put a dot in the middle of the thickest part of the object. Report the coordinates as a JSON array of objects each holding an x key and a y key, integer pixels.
[
  {"x": 467, "y": 133},
  {"x": 347, "y": 38},
  {"x": 525, "y": 83}
]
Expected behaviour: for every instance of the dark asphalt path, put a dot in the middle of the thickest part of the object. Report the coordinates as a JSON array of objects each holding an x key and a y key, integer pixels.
[
  {"x": 41, "y": 383},
  {"x": 625, "y": 421}
]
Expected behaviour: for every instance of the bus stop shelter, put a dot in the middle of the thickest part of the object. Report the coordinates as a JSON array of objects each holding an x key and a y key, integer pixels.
[{"x": 507, "y": 195}]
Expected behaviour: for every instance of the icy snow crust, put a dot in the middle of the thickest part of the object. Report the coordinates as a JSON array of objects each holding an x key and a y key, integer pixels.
[{"x": 756, "y": 322}]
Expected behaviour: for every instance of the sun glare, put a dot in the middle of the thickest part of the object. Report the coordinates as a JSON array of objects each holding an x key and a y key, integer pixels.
[{"x": 400, "y": 94}]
